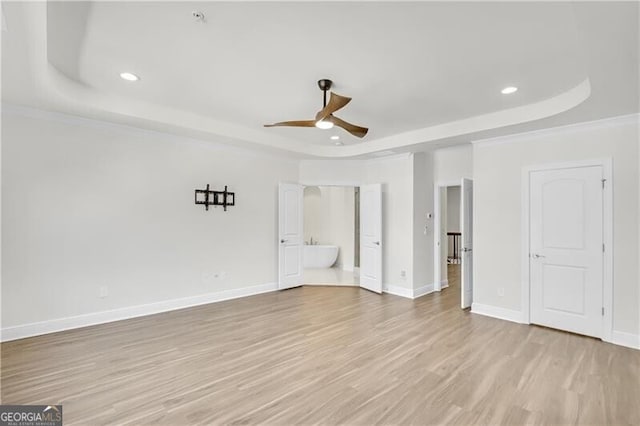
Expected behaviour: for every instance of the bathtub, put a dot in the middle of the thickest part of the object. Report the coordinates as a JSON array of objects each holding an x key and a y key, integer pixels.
[{"x": 316, "y": 256}]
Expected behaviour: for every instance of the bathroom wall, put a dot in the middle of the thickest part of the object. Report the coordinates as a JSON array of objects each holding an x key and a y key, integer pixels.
[{"x": 329, "y": 218}]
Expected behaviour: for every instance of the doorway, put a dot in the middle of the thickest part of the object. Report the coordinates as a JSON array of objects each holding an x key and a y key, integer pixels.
[
  {"x": 566, "y": 225},
  {"x": 452, "y": 243},
  {"x": 453, "y": 251},
  {"x": 331, "y": 236},
  {"x": 292, "y": 240}
]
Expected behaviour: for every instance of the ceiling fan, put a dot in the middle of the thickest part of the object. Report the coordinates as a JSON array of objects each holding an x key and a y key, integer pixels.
[{"x": 325, "y": 118}]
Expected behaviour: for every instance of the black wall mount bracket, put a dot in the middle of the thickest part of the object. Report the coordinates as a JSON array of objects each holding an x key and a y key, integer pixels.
[{"x": 208, "y": 198}]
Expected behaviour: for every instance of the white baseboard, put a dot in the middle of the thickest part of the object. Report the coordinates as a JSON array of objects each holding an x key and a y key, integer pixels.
[
  {"x": 496, "y": 312},
  {"x": 444, "y": 284},
  {"x": 398, "y": 291},
  {"x": 423, "y": 291},
  {"x": 409, "y": 293},
  {"x": 330, "y": 285},
  {"x": 622, "y": 338},
  {"x": 68, "y": 323}
]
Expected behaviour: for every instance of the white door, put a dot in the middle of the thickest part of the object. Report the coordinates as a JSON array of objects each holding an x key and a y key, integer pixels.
[
  {"x": 371, "y": 237},
  {"x": 290, "y": 235},
  {"x": 566, "y": 249},
  {"x": 466, "y": 225}
]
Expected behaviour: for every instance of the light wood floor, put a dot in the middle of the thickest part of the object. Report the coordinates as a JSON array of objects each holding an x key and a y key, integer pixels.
[{"x": 330, "y": 355}]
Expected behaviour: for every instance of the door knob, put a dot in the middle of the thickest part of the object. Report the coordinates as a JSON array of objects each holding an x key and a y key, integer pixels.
[
  {"x": 537, "y": 256},
  {"x": 376, "y": 243},
  {"x": 283, "y": 241},
  {"x": 466, "y": 250}
]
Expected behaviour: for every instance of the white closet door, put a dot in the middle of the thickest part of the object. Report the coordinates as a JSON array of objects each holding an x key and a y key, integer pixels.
[{"x": 566, "y": 249}]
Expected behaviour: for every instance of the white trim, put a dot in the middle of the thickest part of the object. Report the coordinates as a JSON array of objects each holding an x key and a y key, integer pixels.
[
  {"x": 443, "y": 284},
  {"x": 452, "y": 182},
  {"x": 330, "y": 285},
  {"x": 397, "y": 290},
  {"x": 423, "y": 291},
  {"x": 496, "y": 312},
  {"x": 607, "y": 281},
  {"x": 409, "y": 293},
  {"x": 569, "y": 128},
  {"x": 69, "y": 323},
  {"x": 213, "y": 143},
  {"x": 348, "y": 184},
  {"x": 628, "y": 340},
  {"x": 397, "y": 156}
]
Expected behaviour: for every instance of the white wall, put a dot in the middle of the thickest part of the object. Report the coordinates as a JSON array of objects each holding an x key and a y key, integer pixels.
[
  {"x": 329, "y": 217},
  {"x": 88, "y": 204},
  {"x": 396, "y": 176},
  {"x": 443, "y": 244},
  {"x": 423, "y": 226},
  {"x": 497, "y": 226},
  {"x": 453, "y": 164}
]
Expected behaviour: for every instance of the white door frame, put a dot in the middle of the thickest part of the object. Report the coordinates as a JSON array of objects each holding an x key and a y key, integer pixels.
[
  {"x": 437, "y": 223},
  {"x": 607, "y": 279}
]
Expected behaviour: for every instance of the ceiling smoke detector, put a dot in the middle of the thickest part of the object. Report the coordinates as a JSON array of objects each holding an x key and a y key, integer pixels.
[{"x": 198, "y": 16}]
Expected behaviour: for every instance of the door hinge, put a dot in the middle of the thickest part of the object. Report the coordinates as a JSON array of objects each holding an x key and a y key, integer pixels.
[
  {"x": 603, "y": 182},
  {"x": 603, "y": 310},
  {"x": 603, "y": 247}
]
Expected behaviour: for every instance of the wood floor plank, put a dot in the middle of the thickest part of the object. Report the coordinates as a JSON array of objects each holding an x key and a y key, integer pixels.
[{"x": 325, "y": 355}]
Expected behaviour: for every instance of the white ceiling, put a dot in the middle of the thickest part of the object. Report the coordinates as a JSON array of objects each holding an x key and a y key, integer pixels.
[{"x": 420, "y": 73}]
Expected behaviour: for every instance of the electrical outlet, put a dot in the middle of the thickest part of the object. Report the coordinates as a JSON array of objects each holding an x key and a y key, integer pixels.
[
  {"x": 501, "y": 291},
  {"x": 103, "y": 292},
  {"x": 403, "y": 274}
]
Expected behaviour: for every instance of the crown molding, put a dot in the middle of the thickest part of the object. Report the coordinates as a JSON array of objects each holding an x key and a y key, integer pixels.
[
  {"x": 15, "y": 110},
  {"x": 569, "y": 128}
]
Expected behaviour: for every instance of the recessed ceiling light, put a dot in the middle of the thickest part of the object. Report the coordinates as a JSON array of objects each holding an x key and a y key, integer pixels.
[
  {"x": 335, "y": 137},
  {"x": 129, "y": 76},
  {"x": 338, "y": 143},
  {"x": 324, "y": 124},
  {"x": 509, "y": 90}
]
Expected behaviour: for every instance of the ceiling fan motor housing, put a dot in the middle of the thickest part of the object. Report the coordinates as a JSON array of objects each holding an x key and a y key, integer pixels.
[{"x": 324, "y": 84}]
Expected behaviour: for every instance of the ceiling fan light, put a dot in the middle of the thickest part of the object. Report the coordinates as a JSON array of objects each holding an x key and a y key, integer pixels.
[
  {"x": 324, "y": 124},
  {"x": 129, "y": 76}
]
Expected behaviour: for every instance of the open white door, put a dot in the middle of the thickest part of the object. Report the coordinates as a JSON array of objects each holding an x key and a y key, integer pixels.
[
  {"x": 371, "y": 237},
  {"x": 290, "y": 235},
  {"x": 466, "y": 224}
]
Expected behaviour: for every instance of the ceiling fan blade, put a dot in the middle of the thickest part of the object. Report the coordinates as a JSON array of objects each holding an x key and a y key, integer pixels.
[
  {"x": 298, "y": 123},
  {"x": 335, "y": 103},
  {"x": 357, "y": 131}
]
